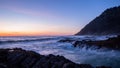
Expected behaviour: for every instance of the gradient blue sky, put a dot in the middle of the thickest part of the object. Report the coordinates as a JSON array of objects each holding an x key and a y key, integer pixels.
[{"x": 49, "y": 17}]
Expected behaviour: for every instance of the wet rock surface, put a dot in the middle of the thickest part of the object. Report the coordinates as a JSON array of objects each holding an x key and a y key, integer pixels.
[
  {"x": 19, "y": 58},
  {"x": 111, "y": 43}
]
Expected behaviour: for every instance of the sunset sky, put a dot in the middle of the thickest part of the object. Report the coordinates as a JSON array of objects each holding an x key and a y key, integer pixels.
[{"x": 49, "y": 17}]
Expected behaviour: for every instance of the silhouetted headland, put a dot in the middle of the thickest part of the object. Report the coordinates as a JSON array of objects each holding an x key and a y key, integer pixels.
[{"x": 108, "y": 23}]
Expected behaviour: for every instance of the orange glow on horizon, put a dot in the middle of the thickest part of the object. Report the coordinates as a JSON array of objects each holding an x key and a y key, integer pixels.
[
  {"x": 32, "y": 34},
  {"x": 32, "y": 30}
]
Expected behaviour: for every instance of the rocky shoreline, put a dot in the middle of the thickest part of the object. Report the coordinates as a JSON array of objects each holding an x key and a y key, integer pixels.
[
  {"x": 110, "y": 43},
  {"x": 19, "y": 58}
]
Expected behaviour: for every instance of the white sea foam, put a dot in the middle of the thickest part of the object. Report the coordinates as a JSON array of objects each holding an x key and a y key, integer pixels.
[{"x": 50, "y": 45}]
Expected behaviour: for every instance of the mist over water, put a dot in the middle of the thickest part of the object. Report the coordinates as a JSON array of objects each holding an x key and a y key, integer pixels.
[{"x": 50, "y": 45}]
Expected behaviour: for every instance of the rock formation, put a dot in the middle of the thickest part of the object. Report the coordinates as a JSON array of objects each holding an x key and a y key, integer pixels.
[
  {"x": 108, "y": 23},
  {"x": 110, "y": 43},
  {"x": 19, "y": 58}
]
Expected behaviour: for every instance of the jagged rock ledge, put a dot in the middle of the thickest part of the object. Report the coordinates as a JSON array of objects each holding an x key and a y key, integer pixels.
[
  {"x": 19, "y": 58},
  {"x": 111, "y": 43}
]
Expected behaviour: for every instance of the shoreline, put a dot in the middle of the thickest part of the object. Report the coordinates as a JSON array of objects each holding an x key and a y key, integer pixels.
[{"x": 19, "y": 58}]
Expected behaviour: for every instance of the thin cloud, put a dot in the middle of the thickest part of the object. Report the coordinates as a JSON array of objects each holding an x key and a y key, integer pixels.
[{"x": 41, "y": 13}]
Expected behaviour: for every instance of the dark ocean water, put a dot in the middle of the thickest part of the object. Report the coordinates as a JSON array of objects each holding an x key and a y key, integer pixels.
[{"x": 49, "y": 45}]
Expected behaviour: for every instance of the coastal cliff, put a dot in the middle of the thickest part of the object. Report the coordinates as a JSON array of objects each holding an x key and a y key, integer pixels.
[{"x": 108, "y": 23}]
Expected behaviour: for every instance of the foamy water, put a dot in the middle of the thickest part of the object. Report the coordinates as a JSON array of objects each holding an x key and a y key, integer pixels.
[{"x": 50, "y": 45}]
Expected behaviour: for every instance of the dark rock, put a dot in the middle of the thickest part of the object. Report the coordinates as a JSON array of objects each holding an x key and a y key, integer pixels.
[
  {"x": 111, "y": 43},
  {"x": 102, "y": 67},
  {"x": 85, "y": 66},
  {"x": 66, "y": 40},
  {"x": 3, "y": 65},
  {"x": 78, "y": 43},
  {"x": 19, "y": 58},
  {"x": 68, "y": 65},
  {"x": 108, "y": 23},
  {"x": 3, "y": 54}
]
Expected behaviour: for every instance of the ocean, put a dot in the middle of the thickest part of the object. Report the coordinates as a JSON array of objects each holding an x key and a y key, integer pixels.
[{"x": 46, "y": 45}]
